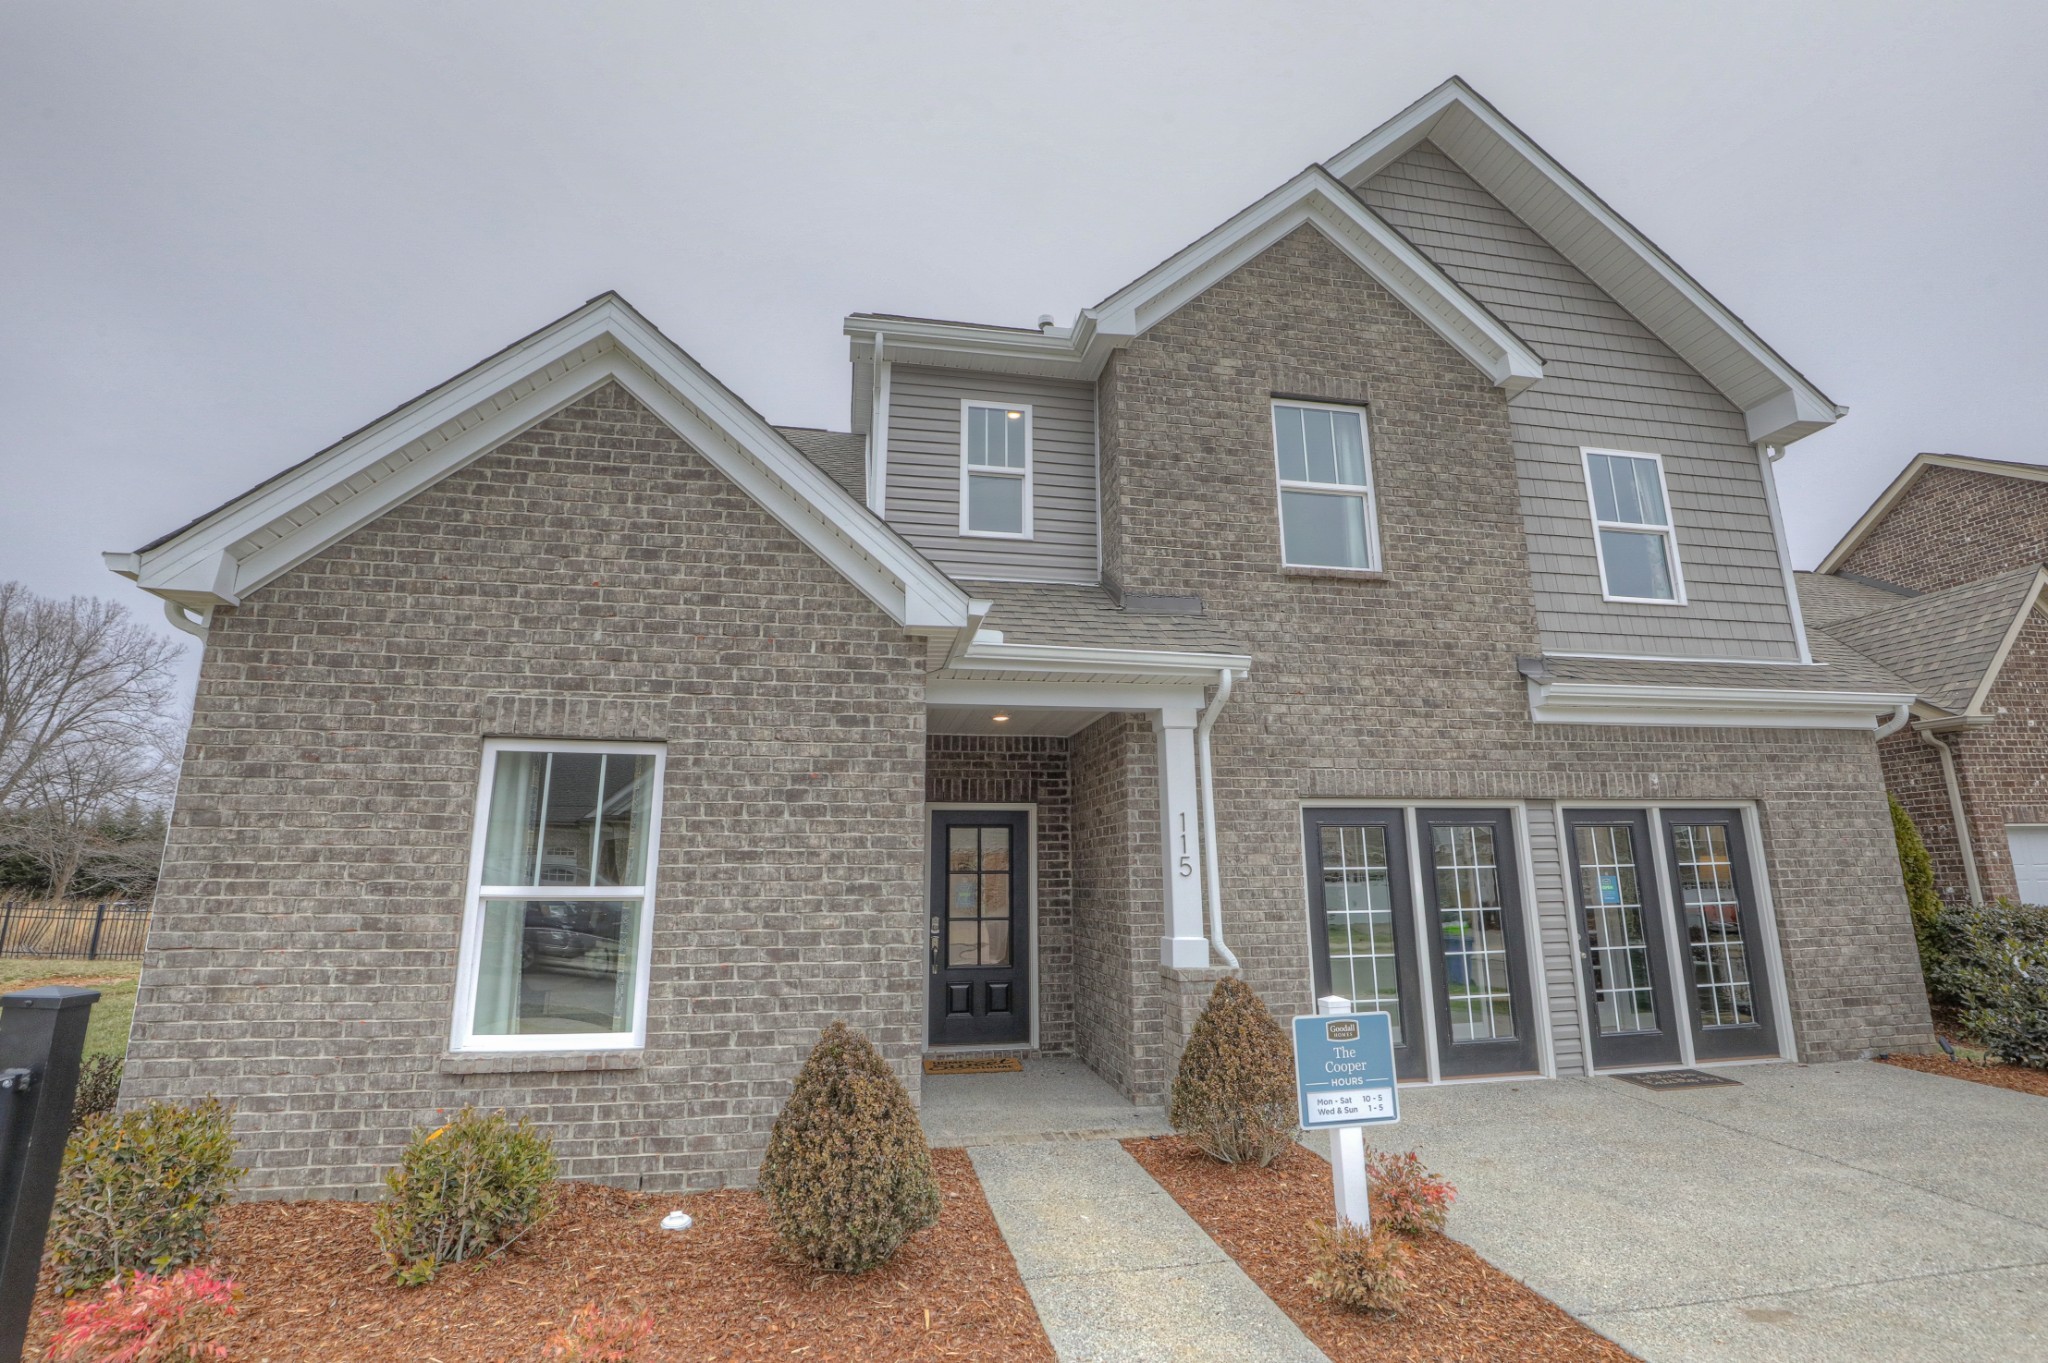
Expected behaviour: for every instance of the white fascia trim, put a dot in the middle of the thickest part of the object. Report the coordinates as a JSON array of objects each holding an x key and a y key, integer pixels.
[
  {"x": 605, "y": 341},
  {"x": 1186, "y": 698},
  {"x": 1315, "y": 198},
  {"x": 1062, "y": 658},
  {"x": 1909, "y": 475},
  {"x": 1714, "y": 707},
  {"x": 1798, "y": 410}
]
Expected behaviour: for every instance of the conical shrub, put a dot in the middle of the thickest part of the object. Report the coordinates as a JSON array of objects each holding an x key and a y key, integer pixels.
[
  {"x": 1233, "y": 1095},
  {"x": 848, "y": 1176}
]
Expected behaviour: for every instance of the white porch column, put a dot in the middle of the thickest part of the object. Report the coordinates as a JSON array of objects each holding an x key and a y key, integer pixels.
[{"x": 1184, "y": 947}]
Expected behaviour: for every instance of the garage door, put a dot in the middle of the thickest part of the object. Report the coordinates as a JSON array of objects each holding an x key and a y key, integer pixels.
[{"x": 2030, "y": 860}]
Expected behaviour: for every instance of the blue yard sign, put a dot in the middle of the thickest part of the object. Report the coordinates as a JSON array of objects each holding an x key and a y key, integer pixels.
[{"x": 1344, "y": 1069}]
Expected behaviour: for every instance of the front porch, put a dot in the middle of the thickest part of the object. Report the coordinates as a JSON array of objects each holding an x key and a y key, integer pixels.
[{"x": 1053, "y": 1098}]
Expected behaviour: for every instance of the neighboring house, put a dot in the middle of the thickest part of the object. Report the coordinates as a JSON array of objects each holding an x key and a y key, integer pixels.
[
  {"x": 1388, "y": 592},
  {"x": 1941, "y": 583}
]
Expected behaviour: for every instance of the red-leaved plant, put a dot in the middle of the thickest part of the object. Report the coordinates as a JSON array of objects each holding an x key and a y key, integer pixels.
[
  {"x": 147, "y": 1319},
  {"x": 598, "y": 1336},
  {"x": 1412, "y": 1200}
]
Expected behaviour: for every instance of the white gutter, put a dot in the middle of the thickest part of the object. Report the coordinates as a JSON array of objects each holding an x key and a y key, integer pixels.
[
  {"x": 1209, "y": 858},
  {"x": 1955, "y": 813},
  {"x": 1897, "y": 722},
  {"x": 1766, "y": 456}
]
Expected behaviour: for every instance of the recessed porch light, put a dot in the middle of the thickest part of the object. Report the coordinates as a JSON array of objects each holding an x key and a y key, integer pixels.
[{"x": 1000, "y": 719}]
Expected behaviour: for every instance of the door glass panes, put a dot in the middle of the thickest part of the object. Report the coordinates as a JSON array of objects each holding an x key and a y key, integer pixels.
[
  {"x": 549, "y": 967},
  {"x": 1471, "y": 919},
  {"x": 1358, "y": 907},
  {"x": 1610, "y": 897},
  {"x": 978, "y": 871},
  {"x": 1713, "y": 925},
  {"x": 569, "y": 818}
]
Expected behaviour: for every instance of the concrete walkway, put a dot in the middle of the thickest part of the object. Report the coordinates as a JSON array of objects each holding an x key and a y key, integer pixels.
[
  {"x": 1117, "y": 1270},
  {"x": 1831, "y": 1212}
]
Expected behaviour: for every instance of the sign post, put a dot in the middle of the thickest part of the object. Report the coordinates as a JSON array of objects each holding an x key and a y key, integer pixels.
[{"x": 1344, "y": 1078}]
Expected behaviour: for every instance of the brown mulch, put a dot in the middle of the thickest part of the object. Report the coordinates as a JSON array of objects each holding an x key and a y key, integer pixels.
[
  {"x": 315, "y": 1288},
  {"x": 1992, "y": 1072},
  {"x": 1460, "y": 1308}
]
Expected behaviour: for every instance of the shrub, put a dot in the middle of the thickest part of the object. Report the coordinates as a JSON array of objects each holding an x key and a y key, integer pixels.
[
  {"x": 139, "y": 1191},
  {"x": 1917, "y": 869},
  {"x": 99, "y": 1088},
  {"x": 1993, "y": 968},
  {"x": 1233, "y": 1095},
  {"x": 848, "y": 1176},
  {"x": 147, "y": 1319},
  {"x": 1412, "y": 1199},
  {"x": 469, "y": 1187},
  {"x": 597, "y": 1336},
  {"x": 1357, "y": 1271}
]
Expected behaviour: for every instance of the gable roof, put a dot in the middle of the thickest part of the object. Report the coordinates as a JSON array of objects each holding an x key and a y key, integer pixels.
[
  {"x": 235, "y": 549},
  {"x": 1779, "y": 404},
  {"x": 1909, "y": 475},
  {"x": 1949, "y": 644},
  {"x": 1314, "y": 198}
]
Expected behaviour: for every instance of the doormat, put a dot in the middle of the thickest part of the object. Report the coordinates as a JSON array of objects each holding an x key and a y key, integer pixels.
[
  {"x": 973, "y": 1064},
  {"x": 1676, "y": 1079}
]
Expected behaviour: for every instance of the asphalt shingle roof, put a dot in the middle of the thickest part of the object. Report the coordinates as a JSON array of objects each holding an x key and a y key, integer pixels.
[
  {"x": 1089, "y": 617},
  {"x": 842, "y": 455},
  {"x": 1943, "y": 642},
  {"x": 1825, "y": 598},
  {"x": 1840, "y": 669}
]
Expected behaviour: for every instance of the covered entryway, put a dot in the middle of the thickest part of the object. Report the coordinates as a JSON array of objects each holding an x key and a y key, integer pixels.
[
  {"x": 981, "y": 938},
  {"x": 1826, "y": 1212}
]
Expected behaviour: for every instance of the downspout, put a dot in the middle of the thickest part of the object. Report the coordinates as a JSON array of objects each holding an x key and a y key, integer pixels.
[
  {"x": 1766, "y": 456},
  {"x": 878, "y": 435},
  {"x": 1955, "y": 812},
  {"x": 1210, "y": 875},
  {"x": 175, "y": 613},
  {"x": 1897, "y": 722}
]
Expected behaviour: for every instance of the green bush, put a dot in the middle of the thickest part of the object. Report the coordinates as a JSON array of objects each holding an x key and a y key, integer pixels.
[
  {"x": 1917, "y": 869},
  {"x": 1233, "y": 1095},
  {"x": 1357, "y": 1271},
  {"x": 1992, "y": 967},
  {"x": 99, "y": 1088},
  {"x": 139, "y": 1191},
  {"x": 848, "y": 1176},
  {"x": 466, "y": 1188}
]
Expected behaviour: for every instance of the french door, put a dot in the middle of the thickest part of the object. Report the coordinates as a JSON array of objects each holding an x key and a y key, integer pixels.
[
  {"x": 980, "y": 947},
  {"x": 1625, "y": 914},
  {"x": 1374, "y": 933}
]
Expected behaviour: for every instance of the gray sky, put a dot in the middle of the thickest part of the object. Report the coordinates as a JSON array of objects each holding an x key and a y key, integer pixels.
[{"x": 233, "y": 233}]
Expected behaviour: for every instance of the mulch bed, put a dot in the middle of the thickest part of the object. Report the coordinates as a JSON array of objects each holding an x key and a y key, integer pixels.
[
  {"x": 315, "y": 1287},
  {"x": 1994, "y": 1073},
  {"x": 1459, "y": 1306}
]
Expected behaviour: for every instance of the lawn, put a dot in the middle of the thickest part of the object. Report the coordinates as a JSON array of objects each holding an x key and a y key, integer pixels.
[{"x": 108, "y": 1031}]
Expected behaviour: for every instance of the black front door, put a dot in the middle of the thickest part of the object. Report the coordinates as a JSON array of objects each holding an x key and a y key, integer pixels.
[
  {"x": 1360, "y": 914},
  {"x": 1729, "y": 998},
  {"x": 980, "y": 948},
  {"x": 1472, "y": 906},
  {"x": 1621, "y": 938}
]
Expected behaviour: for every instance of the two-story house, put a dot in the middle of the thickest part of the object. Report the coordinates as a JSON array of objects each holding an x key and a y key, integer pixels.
[
  {"x": 1941, "y": 582},
  {"x": 1386, "y": 594}
]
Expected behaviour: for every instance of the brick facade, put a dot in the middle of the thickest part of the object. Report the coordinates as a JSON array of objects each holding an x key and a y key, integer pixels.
[
  {"x": 1403, "y": 686},
  {"x": 1953, "y": 526},
  {"x": 972, "y": 769},
  {"x": 593, "y": 578}
]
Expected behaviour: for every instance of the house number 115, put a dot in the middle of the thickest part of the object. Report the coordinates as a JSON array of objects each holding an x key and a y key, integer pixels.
[{"x": 1187, "y": 862}]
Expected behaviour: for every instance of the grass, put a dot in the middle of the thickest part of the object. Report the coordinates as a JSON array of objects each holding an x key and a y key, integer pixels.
[{"x": 107, "y": 1033}]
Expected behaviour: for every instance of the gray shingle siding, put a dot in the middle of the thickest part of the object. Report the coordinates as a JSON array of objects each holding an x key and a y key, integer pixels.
[
  {"x": 1609, "y": 382},
  {"x": 922, "y": 489}
]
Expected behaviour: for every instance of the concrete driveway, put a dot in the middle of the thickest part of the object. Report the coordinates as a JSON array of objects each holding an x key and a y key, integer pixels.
[{"x": 1826, "y": 1212}]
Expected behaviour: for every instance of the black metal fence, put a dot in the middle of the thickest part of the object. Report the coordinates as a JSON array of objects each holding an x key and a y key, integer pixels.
[{"x": 74, "y": 931}]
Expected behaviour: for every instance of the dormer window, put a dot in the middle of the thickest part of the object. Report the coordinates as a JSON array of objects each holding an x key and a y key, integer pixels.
[
  {"x": 1326, "y": 511},
  {"x": 1632, "y": 534},
  {"x": 995, "y": 470}
]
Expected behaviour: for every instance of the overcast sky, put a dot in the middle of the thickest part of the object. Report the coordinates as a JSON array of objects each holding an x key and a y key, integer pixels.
[{"x": 230, "y": 234}]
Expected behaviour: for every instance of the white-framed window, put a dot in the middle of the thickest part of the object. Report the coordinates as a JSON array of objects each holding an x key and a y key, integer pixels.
[
  {"x": 1632, "y": 532},
  {"x": 560, "y": 912},
  {"x": 1327, "y": 518},
  {"x": 995, "y": 469}
]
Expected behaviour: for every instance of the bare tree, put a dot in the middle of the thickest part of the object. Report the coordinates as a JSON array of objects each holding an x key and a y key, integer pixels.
[{"x": 88, "y": 730}]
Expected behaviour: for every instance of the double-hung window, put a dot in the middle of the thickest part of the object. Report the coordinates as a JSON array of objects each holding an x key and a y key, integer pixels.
[
  {"x": 1326, "y": 510},
  {"x": 561, "y": 893},
  {"x": 1632, "y": 533},
  {"x": 995, "y": 470}
]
